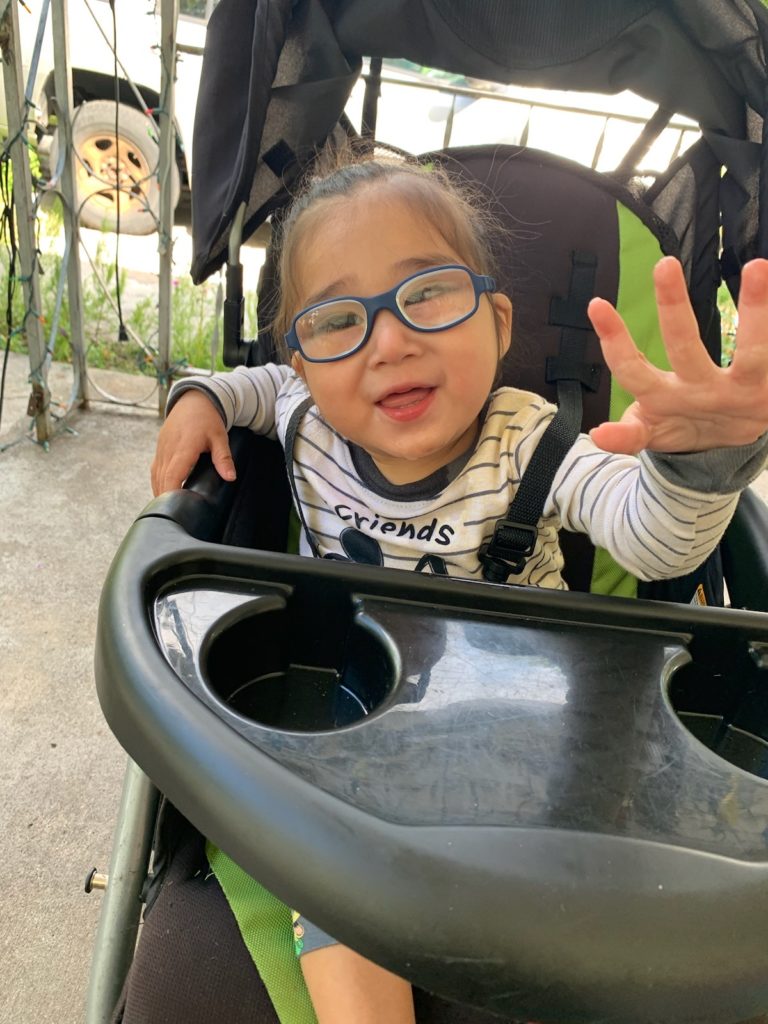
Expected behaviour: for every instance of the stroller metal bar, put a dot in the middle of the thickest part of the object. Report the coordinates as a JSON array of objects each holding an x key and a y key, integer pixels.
[
  {"x": 639, "y": 148},
  {"x": 371, "y": 100},
  {"x": 234, "y": 347},
  {"x": 449, "y": 123},
  {"x": 119, "y": 920}
]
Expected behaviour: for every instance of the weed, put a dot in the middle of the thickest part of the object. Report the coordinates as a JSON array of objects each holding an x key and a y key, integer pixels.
[{"x": 195, "y": 314}]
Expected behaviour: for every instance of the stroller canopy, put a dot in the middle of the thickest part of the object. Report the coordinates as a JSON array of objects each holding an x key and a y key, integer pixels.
[{"x": 277, "y": 74}]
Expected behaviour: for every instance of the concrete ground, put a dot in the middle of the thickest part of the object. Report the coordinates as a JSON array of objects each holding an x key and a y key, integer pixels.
[{"x": 63, "y": 513}]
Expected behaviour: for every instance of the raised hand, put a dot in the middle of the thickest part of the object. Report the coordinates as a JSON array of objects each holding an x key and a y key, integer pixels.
[
  {"x": 193, "y": 426},
  {"x": 697, "y": 405}
]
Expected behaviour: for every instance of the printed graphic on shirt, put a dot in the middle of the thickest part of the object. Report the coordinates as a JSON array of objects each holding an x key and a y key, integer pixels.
[
  {"x": 359, "y": 547},
  {"x": 441, "y": 533},
  {"x": 432, "y": 564},
  {"x": 298, "y": 933}
]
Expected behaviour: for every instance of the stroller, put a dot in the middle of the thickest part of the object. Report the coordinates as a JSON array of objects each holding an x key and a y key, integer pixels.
[{"x": 403, "y": 756}]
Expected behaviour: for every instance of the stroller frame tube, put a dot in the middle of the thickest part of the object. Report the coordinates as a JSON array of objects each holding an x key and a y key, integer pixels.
[{"x": 119, "y": 918}]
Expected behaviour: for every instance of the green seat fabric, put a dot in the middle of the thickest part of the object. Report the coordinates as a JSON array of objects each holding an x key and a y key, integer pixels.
[
  {"x": 265, "y": 925},
  {"x": 639, "y": 252}
]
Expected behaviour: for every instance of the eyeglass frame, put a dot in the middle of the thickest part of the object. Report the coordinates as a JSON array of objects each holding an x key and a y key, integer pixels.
[{"x": 374, "y": 304}]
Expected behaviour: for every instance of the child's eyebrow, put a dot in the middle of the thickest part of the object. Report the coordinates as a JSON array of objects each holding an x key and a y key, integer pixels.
[
  {"x": 331, "y": 291},
  {"x": 425, "y": 262},
  {"x": 411, "y": 265}
]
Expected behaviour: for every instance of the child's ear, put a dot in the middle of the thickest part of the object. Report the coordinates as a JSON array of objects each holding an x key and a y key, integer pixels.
[
  {"x": 503, "y": 314},
  {"x": 297, "y": 363}
]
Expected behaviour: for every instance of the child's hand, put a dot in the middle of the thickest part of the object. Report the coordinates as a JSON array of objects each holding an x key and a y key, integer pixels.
[
  {"x": 193, "y": 426},
  {"x": 697, "y": 405}
]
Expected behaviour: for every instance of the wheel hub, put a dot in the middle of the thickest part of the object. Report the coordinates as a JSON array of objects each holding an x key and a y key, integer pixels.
[{"x": 114, "y": 172}]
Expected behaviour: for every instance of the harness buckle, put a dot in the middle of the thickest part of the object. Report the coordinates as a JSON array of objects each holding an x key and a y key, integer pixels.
[{"x": 506, "y": 553}]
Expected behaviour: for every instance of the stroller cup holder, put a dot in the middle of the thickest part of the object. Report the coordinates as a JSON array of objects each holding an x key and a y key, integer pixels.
[
  {"x": 727, "y": 713},
  {"x": 551, "y": 805},
  {"x": 268, "y": 663}
]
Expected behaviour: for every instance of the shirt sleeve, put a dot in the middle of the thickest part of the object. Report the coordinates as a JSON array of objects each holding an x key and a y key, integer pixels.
[
  {"x": 246, "y": 397},
  {"x": 720, "y": 470},
  {"x": 659, "y": 516}
]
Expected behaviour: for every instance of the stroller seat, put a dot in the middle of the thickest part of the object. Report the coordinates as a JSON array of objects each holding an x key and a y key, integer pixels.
[
  {"x": 542, "y": 805},
  {"x": 566, "y": 755}
]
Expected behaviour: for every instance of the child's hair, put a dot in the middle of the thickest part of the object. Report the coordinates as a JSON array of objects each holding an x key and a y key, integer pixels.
[{"x": 426, "y": 188}]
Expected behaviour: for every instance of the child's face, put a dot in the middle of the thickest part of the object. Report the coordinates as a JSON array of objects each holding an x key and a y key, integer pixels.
[{"x": 412, "y": 400}]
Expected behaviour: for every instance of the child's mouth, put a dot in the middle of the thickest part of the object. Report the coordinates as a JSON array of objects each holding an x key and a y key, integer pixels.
[{"x": 406, "y": 405}]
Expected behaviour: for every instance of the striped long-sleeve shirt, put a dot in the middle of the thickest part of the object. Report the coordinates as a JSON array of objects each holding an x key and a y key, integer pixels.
[{"x": 659, "y": 516}]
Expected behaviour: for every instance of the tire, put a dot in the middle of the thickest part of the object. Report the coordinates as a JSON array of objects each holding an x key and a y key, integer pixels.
[{"x": 105, "y": 171}]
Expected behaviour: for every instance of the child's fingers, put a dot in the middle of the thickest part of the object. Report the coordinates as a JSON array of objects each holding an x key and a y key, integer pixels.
[
  {"x": 175, "y": 471},
  {"x": 628, "y": 366},
  {"x": 751, "y": 356},
  {"x": 623, "y": 438},
  {"x": 170, "y": 471},
  {"x": 159, "y": 472},
  {"x": 159, "y": 476},
  {"x": 679, "y": 328},
  {"x": 222, "y": 459}
]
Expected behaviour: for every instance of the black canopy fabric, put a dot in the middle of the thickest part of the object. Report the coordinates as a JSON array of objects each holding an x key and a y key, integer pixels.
[{"x": 276, "y": 76}]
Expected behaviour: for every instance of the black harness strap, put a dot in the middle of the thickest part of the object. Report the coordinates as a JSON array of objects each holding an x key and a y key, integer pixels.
[
  {"x": 290, "y": 441},
  {"x": 514, "y": 537}
]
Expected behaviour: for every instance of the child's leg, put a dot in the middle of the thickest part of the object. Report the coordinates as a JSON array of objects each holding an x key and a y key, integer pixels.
[{"x": 345, "y": 988}]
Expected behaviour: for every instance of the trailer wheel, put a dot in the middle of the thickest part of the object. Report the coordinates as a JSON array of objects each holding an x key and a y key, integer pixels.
[{"x": 112, "y": 169}]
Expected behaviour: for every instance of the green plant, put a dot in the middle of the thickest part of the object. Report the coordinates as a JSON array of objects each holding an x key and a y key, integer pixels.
[
  {"x": 193, "y": 323},
  {"x": 729, "y": 319},
  {"x": 194, "y": 314}
]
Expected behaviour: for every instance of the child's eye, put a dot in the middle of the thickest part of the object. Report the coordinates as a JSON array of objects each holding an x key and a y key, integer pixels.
[
  {"x": 429, "y": 292},
  {"x": 336, "y": 322}
]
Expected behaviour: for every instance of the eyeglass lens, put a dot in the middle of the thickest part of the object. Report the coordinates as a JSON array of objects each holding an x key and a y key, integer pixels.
[{"x": 432, "y": 300}]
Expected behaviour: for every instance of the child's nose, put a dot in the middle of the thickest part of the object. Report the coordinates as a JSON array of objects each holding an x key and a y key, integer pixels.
[{"x": 390, "y": 340}]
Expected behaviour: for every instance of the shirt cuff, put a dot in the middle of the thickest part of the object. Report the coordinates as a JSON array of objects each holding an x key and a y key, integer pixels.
[
  {"x": 181, "y": 386},
  {"x": 715, "y": 471}
]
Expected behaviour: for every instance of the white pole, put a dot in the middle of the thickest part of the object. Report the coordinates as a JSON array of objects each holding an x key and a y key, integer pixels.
[
  {"x": 64, "y": 107},
  {"x": 168, "y": 20},
  {"x": 40, "y": 397}
]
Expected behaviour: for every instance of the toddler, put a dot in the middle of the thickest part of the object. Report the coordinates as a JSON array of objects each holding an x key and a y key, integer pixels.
[{"x": 400, "y": 453}]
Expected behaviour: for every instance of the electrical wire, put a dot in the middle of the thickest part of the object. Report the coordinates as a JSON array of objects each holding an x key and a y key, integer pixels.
[
  {"x": 125, "y": 332},
  {"x": 142, "y": 104},
  {"x": 131, "y": 334}
]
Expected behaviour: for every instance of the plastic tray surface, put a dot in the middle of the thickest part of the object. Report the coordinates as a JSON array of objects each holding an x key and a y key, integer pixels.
[{"x": 551, "y": 805}]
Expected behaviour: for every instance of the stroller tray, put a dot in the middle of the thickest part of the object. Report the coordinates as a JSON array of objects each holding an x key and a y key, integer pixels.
[{"x": 535, "y": 800}]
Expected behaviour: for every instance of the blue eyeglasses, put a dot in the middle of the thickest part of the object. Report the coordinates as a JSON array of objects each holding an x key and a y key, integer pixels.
[{"x": 431, "y": 300}]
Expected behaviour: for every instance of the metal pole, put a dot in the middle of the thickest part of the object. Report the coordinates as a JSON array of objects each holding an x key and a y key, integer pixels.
[
  {"x": 119, "y": 919},
  {"x": 169, "y": 12},
  {"x": 371, "y": 102},
  {"x": 64, "y": 106},
  {"x": 449, "y": 123},
  {"x": 40, "y": 398}
]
